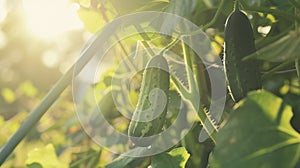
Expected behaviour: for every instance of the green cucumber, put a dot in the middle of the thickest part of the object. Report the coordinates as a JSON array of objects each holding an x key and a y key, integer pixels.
[
  {"x": 241, "y": 76},
  {"x": 150, "y": 113}
]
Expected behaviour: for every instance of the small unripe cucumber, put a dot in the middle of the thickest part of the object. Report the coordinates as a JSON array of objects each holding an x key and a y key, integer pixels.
[
  {"x": 150, "y": 113},
  {"x": 241, "y": 76}
]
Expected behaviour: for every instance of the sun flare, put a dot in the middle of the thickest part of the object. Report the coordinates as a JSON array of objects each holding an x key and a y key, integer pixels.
[{"x": 49, "y": 18}]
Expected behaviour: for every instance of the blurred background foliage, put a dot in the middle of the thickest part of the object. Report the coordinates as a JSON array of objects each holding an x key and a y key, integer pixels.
[{"x": 40, "y": 40}]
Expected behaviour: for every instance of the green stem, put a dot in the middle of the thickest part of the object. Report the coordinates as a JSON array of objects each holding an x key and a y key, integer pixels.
[
  {"x": 297, "y": 63},
  {"x": 188, "y": 67},
  {"x": 169, "y": 46},
  {"x": 146, "y": 38},
  {"x": 279, "y": 67},
  {"x": 192, "y": 70},
  {"x": 180, "y": 89},
  {"x": 295, "y": 4},
  {"x": 46, "y": 103},
  {"x": 200, "y": 77},
  {"x": 236, "y": 5},
  {"x": 213, "y": 21},
  {"x": 217, "y": 15},
  {"x": 85, "y": 159}
]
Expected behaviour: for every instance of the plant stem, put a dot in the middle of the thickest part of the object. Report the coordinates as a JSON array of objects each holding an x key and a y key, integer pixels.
[
  {"x": 216, "y": 16},
  {"x": 85, "y": 159},
  {"x": 146, "y": 38},
  {"x": 192, "y": 70},
  {"x": 169, "y": 46},
  {"x": 236, "y": 5},
  {"x": 297, "y": 63},
  {"x": 213, "y": 21},
  {"x": 295, "y": 4},
  {"x": 278, "y": 67},
  {"x": 188, "y": 67},
  {"x": 200, "y": 76}
]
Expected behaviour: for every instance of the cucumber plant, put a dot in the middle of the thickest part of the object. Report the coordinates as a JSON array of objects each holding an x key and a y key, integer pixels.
[
  {"x": 242, "y": 76},
  {"x": 150, "y": 113}
]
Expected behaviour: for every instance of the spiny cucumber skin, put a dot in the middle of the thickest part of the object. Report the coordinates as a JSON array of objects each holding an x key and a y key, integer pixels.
[
  {"x": 241, "y": 76},
  {"x": 153, "y": 77}
]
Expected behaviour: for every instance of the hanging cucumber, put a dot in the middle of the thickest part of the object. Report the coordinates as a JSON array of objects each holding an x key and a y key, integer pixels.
[
  {"x": 150, "y": 113},
  {"x": 242, "y": 76}
]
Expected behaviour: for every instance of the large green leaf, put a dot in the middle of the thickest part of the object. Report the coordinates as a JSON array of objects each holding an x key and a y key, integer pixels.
[
  {"x": 257, "y": 134},
  {"x": 176, "y": 158},
  {"x": 44, "y": 157}
]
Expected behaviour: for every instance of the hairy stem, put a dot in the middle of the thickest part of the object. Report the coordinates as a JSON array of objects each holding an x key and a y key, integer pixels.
[{"x": 192, "y": 69}]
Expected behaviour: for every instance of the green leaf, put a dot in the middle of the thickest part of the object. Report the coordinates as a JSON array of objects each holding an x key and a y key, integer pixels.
[
  {"x": 199, "y": 151},
  {"x": 257, "y": 134},
  {"x": 176, "y": 158},
  {"x": 44, "y": 157},
  {"x": 91, "y": 19},
  {"x": 34, "y": 165}
]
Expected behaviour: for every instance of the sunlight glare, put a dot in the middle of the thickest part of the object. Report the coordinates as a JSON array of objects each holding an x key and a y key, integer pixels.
[
  {"x": 50, "y": 59},
  {"x": 3, "y": 11},
  {"x": 49, "y": 18}
]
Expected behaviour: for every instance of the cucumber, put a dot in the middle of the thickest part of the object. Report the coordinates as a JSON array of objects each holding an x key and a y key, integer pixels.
[
  {"x": 150, "y": 113},
  {"x": 241, "y": 76}
]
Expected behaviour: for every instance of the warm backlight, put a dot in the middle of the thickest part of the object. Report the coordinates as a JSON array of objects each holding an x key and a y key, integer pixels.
[{"x": 49, "y": 18}]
